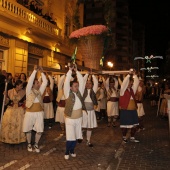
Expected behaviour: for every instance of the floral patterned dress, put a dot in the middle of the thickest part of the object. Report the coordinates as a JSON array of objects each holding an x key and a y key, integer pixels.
[{"x": 12, "y": 122}]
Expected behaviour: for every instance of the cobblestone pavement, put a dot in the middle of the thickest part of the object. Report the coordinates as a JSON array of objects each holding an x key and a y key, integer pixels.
[
  {"x": 153, "y": 151},
  {"x": 108, "y": 153}
]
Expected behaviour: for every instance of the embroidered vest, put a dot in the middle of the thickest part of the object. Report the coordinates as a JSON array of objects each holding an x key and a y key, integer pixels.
[
  {"x": 70, "y": 101},
  {"x": 124, "y": 100},
  {"x": 31, "y": 97},
  {"x": 92, "y": 96}
]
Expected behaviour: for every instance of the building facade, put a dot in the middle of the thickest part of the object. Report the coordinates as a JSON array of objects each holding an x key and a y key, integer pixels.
[
  {"x": 138, "y": 48},
  {"x": 28, "y": 38},
  {"x": 115, "y": 14}
]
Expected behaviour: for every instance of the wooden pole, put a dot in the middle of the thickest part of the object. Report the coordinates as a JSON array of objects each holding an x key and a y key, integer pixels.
[{"x": 3, "y": 104}]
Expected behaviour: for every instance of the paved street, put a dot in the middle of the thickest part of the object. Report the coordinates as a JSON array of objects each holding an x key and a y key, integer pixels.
[{"x": 152, "y": 153}]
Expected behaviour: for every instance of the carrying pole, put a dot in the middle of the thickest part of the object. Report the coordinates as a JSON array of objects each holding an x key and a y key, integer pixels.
[{"x": 3, "y": 104}]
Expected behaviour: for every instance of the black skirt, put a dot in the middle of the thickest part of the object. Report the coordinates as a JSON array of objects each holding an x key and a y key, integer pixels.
[{"x": 128, "y": 118}]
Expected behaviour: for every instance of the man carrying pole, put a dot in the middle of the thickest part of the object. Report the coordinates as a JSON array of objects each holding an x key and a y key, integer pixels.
[{"x": 34, "y": 116}]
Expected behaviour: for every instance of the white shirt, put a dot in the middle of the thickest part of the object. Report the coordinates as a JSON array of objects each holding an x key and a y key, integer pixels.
[
  {"x": 30, "y": 84},
  {"x": 88, "y": 98},
  {"x": 126, "y": 82},
  {"x": 77, "y": 104}
]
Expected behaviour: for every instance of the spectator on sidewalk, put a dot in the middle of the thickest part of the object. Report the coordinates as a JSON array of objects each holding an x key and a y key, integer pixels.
[
  {"x": 128, "y": 106},
  {"x": 23, "y": 78},
  {"x": 32, "y": 6},
  {"x": 11, "y": 125},
  {"x": 51, "y": 19}
]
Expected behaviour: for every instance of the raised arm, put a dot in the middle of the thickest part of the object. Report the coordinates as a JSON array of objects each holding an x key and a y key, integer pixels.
[
  {"x": 95, "y": 85},
  {"x": 81, "y": 82},
  {"x": 104, "y": 82},
  {"x": 120, "y": 81},
  {"x": 67, "y": 84},
  {"x": 124, "y": 85},
  {"x": 107, "y": 84},
  {"x": 40, "y": 79},
  {"x": 51, "y": 82},
  {"x": 136, "y": 83},
  {"x": 85, "y": 80},
  {"x": 30, "y": 81},
  {"x": 44, "y": 82},
  {"x": 61, "y": 82},
  {"x": 116, "y": 83},
  {"x": 85, "y": 77}
]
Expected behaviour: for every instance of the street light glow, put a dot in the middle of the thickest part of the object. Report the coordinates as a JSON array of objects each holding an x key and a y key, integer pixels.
[{"x": 110, "y": 64}]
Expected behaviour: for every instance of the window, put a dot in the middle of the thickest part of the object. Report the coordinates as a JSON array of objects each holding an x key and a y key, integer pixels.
[
  {"x": 67, "y": 27},
  {"x": 31, "y": 62},
  {"x": 1, "y": 55}
]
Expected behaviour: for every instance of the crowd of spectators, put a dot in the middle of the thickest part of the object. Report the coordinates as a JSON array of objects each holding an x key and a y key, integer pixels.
[{"x": 36, "y": 8}]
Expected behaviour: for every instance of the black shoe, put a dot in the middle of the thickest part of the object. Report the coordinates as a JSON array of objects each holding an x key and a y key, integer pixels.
[
  {"x": 125, "y": 140},
  {"x": 89, "y": 144},
  {"x": 79, "y": 140}
]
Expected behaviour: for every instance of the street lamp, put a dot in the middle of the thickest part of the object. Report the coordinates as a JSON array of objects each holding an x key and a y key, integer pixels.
[{"x": 110, "y": 64}]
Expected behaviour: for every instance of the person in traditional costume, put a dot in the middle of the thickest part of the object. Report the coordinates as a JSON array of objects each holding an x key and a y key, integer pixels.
[
  {"x": 34, "y": 116},
  {"x": 12, "y": 121},
  {"x": 112, "y": 100},
  {"x": 47, "y": 100},
  {"x": 73, "y": 92},
  {"x": 101, "y": 96},
  {"x": 103, "y": 101},
  {"x": 61, "y": 104},
  {"x": 90, "y": 100},
  {"x": 164, "y": 103},
  {"x": 23, "y": 78},
  {"x": 139, "y": 99},
  {"x": 128, "y": 105}
]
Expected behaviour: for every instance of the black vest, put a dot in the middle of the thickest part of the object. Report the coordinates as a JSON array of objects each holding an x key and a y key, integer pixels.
[{"x": 92, "y": 96}]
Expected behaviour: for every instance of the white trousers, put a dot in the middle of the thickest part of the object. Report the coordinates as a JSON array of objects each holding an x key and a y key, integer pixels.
[
  {"x": 73, "y": 129},
  {"x": 33, "y": 121}
]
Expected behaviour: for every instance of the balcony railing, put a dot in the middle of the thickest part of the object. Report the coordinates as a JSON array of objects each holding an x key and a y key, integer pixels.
[{"x": 29, "y": 16}]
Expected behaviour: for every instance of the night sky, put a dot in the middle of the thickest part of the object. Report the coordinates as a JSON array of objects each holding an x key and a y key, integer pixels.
[{"x": 155, "y": 14}]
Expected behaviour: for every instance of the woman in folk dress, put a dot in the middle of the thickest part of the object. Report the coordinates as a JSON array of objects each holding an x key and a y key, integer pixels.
[{"x": 11, "y": 127}]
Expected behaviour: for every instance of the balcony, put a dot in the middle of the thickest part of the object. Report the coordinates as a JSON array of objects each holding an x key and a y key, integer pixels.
[{"x": 21, "y": 18}]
